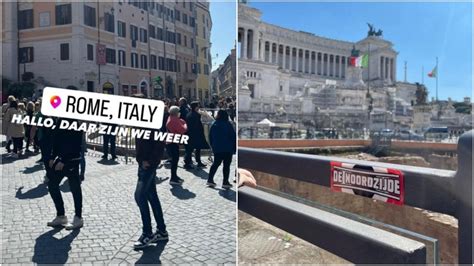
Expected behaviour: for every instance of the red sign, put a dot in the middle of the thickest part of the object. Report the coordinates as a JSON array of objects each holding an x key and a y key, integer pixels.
[
  {"x": 373, "y": 182},
  {"x": 100, "y": 54}
]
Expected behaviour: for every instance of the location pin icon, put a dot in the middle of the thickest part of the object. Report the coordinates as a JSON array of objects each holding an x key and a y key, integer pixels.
[{"x": 55, "y": 101}]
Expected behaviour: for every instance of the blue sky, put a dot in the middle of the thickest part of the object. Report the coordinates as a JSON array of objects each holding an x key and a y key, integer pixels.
[
  {"x": 223, "y": 33},
  {"x": 419, "y": 32}
]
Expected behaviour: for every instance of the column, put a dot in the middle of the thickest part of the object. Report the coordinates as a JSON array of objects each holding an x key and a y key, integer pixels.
[
  {"x": 382, "y": 68},
  {"x": 284, "y": 57},
  {"x": 339, "y": 61},
  {"x": 394, "y": 71},
  {"x": 297, "y": 68},
  {"x": 254, "y": 45},
  {"x": 305, "y": 60},
  {"x": 262, "y": 50},
  {"x": 327, "y": 65},
  {"x": 245, "y": 43},
  {"x": 389, "y": 69},
  {"x": 333, "y": 65},
  {"x": 290, "y": 57},
  {"x": 317, "y": 63}
]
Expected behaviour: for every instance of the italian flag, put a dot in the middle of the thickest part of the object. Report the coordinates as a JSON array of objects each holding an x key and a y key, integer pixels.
[
  {"x": 360, "y": 61},
  {"x": 433, "y": 72}
]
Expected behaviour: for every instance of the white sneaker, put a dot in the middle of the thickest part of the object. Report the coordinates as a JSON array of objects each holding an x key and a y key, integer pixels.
[
  {"x": 76, "y": 223},
  {"x": 58, "y": 221}
]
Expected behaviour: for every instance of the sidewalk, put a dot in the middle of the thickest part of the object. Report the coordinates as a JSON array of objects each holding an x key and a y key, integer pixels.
[{"x": 201, "y": 221}]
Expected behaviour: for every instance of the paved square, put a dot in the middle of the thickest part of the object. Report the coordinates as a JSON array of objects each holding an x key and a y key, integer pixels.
[{"x": 201, "y": 221}]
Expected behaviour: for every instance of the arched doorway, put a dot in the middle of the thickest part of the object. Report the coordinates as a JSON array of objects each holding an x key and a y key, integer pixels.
[
  {"x": 144, "y": 88},
  {"x": 108, "y": 88}
]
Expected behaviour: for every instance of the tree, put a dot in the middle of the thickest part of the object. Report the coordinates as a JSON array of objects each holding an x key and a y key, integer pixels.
[
  {"x": 21, "y": 89},
  {"x": 421, "y": 94}
]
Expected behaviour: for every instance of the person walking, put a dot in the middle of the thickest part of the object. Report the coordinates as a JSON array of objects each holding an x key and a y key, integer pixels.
[
  {"x": 15, "y": 131},
  {"x": 64, "y": 162},
  {"x": 197, "y": 140},
  {"x": 223, "y": 143},
  {"x": 148, "y": 155},
  {"x": 175, "y": 125},
  {"x": 28, "y": 136},
  {"x": 5, "y": 123},
  {"x": 109, "y": 140}
]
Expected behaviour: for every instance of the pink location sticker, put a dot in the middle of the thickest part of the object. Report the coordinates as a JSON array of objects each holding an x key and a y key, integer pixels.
[{"x": 55, "y": 101}]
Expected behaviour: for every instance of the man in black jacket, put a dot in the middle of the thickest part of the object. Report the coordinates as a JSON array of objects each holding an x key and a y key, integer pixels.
[
  {"x": 64, "y": 161},
  {"x": 148, "y": 154},
  {"x": 197, "y": 140}
]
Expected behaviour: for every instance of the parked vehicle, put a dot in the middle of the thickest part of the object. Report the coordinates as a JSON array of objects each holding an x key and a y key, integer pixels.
[{"x": 437, "y": 133}]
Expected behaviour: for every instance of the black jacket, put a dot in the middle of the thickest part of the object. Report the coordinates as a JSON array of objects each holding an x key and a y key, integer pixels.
[
  {"x": 149, "y": 150},
  {"x": 197, "y": 140},
  {"x": 66, "y": 144}
]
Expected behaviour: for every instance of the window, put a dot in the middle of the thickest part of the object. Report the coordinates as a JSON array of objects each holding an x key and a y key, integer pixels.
[
  {"x": 192, "y": 43},
  {"x": 161, "y": 63},
  {"x": 90, "y": 85},
  {"x": 133, "y": 33},
  {"x": 178, "y": 15},
  {"x": 178, "y": 38},
  {"x": 197, "y": 50},
  {"x": 143, "y": 62},
  {"x": 25, "y": 19},
  {"x": 192, "y": 22},
  {"x": 152, "y": 31},
  {"x": 134, "y": 59},
  {"x": 121, "y": 58},
  {"x": 110, "y": 56},
  {"x": 159, "y": 33},
  {"x": 89, "y": 16},
  {"x": 185, "y": 18},
  {"x": 186, "y": 67},
  {"x": 178, "y": 66},
  {"x": 143, "y": 35},
  {"x": 121, "y": 29},
  {"x": 153, "y": 63},
  {"x": 64, "y": 50},
  {"x": 109, "y": 24},
  {"x": 25, "y": 55},
  {"x": 63, "y": 14},
  {"x": 185, "y": 40},
  {"x": 204, "y": 32},
  {"x": 90, "y": 52},
  {"x": 170, "y": 37},
  {"x": 203, "y": 19},
  {"x": 170, "y": 64},
  {"x": 190, "y": 6},
  {"x": 206, "y": 69}
]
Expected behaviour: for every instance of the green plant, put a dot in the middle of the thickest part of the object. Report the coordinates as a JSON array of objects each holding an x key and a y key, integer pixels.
[{"x": 21, "y": 89}]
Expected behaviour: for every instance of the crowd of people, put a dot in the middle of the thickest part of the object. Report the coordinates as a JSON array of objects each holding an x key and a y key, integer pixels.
[{"x": 63, "y": 155}]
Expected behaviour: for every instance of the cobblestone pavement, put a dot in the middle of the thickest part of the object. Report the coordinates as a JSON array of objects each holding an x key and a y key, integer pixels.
[{"x": 201, "y": 221}]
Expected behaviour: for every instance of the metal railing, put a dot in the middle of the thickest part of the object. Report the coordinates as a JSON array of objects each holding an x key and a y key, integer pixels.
[{"x": 448, "y": 192}]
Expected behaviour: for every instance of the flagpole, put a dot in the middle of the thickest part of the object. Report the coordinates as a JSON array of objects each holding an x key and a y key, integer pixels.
[
  {"x": 437, "y": 74},
  {"x": 368, "y": 81}
]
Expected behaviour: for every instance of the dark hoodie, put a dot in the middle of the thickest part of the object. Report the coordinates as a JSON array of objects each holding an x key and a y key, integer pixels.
[
  {"x": 66, "y": 144},
  {"x": 149, "y": 150}
]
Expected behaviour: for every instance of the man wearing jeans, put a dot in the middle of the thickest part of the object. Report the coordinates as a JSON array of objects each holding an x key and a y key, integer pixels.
[
  {"x": 64, "y": 161},
  {"x": 149, "y": 153}
]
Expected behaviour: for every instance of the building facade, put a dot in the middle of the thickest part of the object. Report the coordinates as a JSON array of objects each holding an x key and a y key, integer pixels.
[
  {"x": 185, "y": 21},
  {"x": 120, "y": 47},
  {"x": 224, "y": 77},
  {"x": 203, "y": 51},
  {"x": 298, "y": 76}
]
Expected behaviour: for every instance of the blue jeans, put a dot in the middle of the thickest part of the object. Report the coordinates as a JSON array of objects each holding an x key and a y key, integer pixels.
[{"x": 146, "y": 193}]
